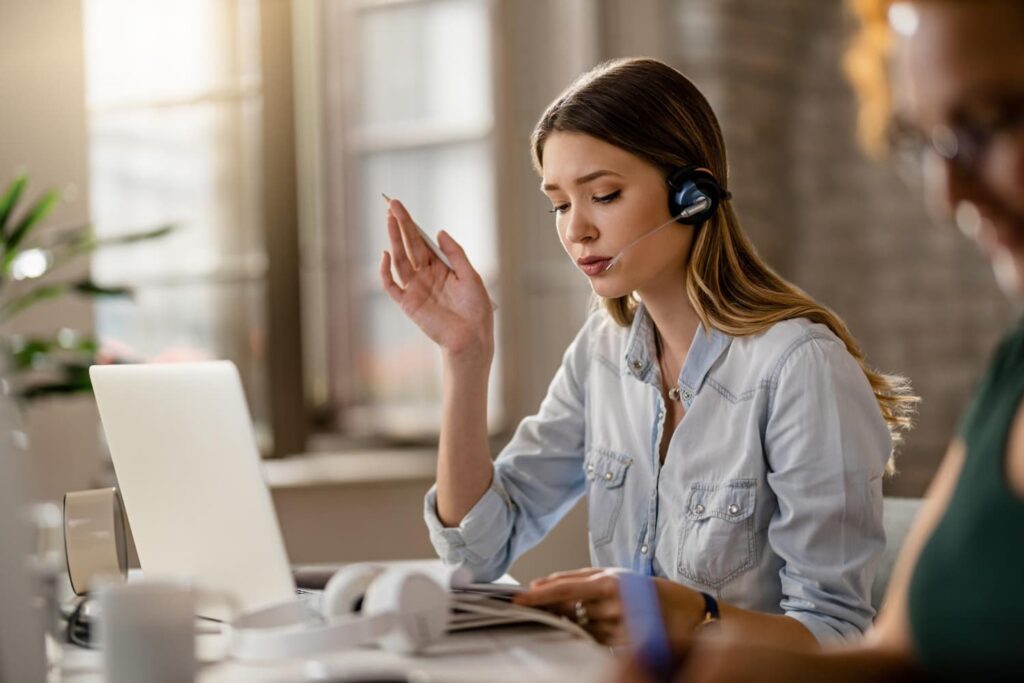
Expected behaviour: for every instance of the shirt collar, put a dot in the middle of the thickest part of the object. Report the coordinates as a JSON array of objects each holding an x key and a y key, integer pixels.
[{"x": 641, "y": 358}]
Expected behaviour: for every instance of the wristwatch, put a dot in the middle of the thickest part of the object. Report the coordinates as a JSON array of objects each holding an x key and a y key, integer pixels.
[{"x": 710, "y": 610}]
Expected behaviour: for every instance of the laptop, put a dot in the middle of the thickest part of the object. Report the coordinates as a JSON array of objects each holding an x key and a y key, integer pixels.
[{"x": 182, "y": 444}]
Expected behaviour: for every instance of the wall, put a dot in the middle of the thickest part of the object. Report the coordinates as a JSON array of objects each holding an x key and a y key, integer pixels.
[
  {"x": 384, "y": 521},
  {"x": 916, "y": 294}
]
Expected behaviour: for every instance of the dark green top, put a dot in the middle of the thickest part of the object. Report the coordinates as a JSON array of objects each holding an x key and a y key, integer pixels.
[{"x": 967, "y": 593}]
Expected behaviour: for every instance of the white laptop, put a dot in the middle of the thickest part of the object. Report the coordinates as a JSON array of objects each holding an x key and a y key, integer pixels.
[{"x": 188, "y": 468}]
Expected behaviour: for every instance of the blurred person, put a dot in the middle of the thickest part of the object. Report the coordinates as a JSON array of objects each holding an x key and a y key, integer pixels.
[
  {"x": 725, "y": 427},
  {"x": 948, "y": 76}
]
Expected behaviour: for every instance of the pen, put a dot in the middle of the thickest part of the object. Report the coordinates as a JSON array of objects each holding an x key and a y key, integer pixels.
[
  {"x": 642, "y": 614},
  {"x": 432, "y": 245}
]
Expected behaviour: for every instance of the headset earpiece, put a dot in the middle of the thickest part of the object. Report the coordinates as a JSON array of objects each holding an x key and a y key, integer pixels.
[
  {"x": 694, "y": 194},
  {"x": 420, "y": 606},
  {"x": 346, "y": 589}
]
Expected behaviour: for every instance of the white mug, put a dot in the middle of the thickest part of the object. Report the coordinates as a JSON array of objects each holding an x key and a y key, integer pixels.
[{"x": 147, "y": 631}]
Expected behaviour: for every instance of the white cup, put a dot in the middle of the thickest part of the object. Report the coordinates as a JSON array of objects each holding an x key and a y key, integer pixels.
[{"x": 147, "y": 631}]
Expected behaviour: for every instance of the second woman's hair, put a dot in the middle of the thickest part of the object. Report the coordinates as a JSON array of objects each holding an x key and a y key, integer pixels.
[{"x": 651, "y": 110}]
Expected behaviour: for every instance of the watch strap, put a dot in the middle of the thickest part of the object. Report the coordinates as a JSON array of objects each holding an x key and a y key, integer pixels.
[{"x": 711, "y": 613}]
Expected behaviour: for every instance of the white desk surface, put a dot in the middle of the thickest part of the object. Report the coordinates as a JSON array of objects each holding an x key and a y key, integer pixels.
[{"x": 510, "y": 654}]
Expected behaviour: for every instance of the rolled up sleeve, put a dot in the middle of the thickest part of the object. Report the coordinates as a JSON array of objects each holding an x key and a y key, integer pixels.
[
  {"x": 826, "y": 445},
  {"x": 477, "y": 541},
  {"x": 538, "y": 477}
]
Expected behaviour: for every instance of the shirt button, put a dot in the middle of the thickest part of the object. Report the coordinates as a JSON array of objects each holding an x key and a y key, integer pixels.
[
  {"x": 687, "y": 394},
  {"x": 607, "y": 476},
  {"x": 698, "y": 509},
  {"x": 636, "y": 365},
  {"x": 734, "y": 509},
  {"x": 643, "y": 549},
  {"x": 590, "y": 467}
]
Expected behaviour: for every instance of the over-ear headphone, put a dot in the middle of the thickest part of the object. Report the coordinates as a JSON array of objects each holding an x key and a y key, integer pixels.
[
  {"x": 401, "y": 609},
  {"x": 694, "y": 194}
]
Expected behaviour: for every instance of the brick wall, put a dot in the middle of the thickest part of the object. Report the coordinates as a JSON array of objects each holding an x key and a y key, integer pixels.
[{"x": 915, "y": 293}]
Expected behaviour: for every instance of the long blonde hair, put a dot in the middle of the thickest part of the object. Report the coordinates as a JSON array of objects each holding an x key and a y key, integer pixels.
[{"x": 651, "y": 110}]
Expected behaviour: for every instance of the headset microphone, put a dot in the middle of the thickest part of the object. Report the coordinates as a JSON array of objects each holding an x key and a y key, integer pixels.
[{"x": 693, "y": 197}]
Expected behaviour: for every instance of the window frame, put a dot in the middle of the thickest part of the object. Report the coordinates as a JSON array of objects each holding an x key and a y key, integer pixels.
[
  {"x": 272, "y": 261},
  {"x": 346, "y": 145}
]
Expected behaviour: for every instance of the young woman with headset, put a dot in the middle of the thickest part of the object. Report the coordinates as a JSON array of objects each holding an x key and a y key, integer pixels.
[{"x": 725, "y": 428}]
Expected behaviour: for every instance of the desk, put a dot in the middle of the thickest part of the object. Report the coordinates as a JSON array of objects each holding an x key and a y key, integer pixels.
[{"x": 517, "y": 653}]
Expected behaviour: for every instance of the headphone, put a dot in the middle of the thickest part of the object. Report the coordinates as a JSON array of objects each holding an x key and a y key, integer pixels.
[
  {"x": 401, "y": 609},
  {"x": 694, "y": 195}
]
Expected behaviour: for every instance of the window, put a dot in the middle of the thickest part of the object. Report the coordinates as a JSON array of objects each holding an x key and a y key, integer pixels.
[
  {"x": 409, "y": 111},
  {"x": 175, "y": 105}
]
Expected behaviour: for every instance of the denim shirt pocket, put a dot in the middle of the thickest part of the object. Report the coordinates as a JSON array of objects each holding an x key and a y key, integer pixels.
[
  {"x": 606, "y": 474},
  {"x": 717, "y": 538}
]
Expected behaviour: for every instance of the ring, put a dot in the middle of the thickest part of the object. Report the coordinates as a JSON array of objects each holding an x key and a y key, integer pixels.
[{"x": 581, "y": 613}]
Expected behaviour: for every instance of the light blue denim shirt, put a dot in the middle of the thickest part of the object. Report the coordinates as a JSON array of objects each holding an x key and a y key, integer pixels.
[{"x": 770, "y": 496}]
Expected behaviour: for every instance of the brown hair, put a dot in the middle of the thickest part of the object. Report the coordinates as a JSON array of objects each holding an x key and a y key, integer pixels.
[{"x": 651, "y": 110}]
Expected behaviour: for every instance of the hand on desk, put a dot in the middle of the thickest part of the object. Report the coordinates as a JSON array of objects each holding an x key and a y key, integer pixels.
[{"x": 590, "y": 597}]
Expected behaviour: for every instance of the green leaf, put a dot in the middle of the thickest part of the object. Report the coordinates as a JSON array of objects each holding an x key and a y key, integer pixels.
[
  {"x": 9, "y": 200},
  {"x": 32, "y": 352},
  {"x": 132, "y": 237},
  {"x": 62, "y": 237},
  {"x": 50, "y": 389},
  {"x": 26, "y": 356},
  {"x": 37, "y": 213},
  {"x": 92, "y": 289},
  {"x": 19, "y": 304},
  {"x": 46, "y": 292},
  {"x": 76, "y": 385},
  {"x": 79, "y": 241},
  {"x": 74, "y": 379}
]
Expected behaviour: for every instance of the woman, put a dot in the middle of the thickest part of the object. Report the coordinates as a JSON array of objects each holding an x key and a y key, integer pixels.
[
  {"x": 955, "y": 604},
  {"x": 725, "y": 428}
]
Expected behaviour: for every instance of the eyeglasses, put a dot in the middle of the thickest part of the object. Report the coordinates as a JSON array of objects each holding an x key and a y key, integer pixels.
[{"x": 964, "y": 143}]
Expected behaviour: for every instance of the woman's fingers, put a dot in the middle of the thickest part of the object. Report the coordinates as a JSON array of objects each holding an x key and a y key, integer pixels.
[
  {"x": 419, "y": 253},
  {"x": 399, "y": 254},
  {"x": 608, "y": 633},
  {"x": 388, "y": 281},
  {"x": 569, "y": 589},
  {"x": 456, "y": 255},
  {"x": 604, "y": 610},
  {"x": 571, "y": 574}
]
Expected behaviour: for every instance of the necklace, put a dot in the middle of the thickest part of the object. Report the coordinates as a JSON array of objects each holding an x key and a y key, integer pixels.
[{"x": 673, "y": 392}]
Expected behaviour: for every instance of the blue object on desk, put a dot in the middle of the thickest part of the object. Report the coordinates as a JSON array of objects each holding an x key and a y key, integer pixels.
[{"x": 645, "y": 626}]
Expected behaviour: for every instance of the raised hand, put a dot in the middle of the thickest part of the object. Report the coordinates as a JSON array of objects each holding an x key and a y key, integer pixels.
[{"x": 450, "y": 305}]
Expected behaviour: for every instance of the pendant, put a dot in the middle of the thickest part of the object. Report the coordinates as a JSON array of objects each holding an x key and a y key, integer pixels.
[{"x": 673, "y": 393}]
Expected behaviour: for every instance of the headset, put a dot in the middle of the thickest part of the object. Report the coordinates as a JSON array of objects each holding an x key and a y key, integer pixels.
[
  {"x": 401, "y": 609},
  {"x": 694, "y": 195}
]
